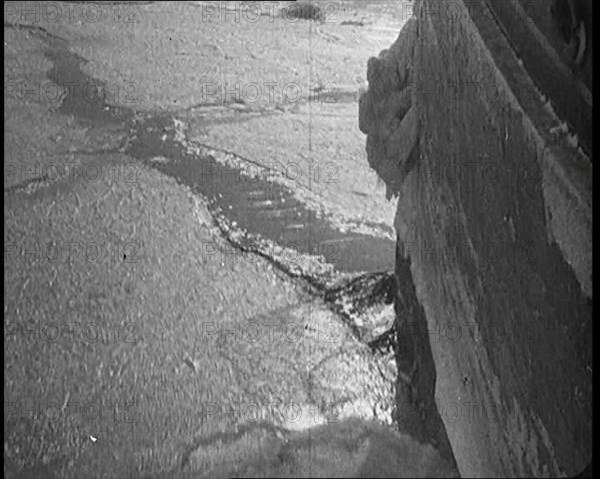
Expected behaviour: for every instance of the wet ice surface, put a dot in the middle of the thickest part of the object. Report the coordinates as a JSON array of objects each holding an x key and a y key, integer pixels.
[
  {"x": 254, "y": 212},
  {"x": 261, "y": 215},
  {"x": 264, "y": 217},
  {"x": 257, "y": 214}
]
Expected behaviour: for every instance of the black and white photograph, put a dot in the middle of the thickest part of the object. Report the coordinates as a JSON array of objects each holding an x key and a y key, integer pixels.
[{"x": 311, "y": 238}]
